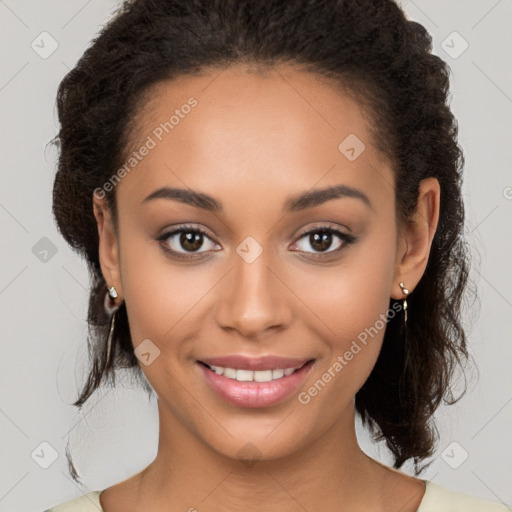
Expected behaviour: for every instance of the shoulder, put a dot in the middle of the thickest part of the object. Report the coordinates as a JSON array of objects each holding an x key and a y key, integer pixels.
[
  {"x": 89, "y": 502},
  {"x": 440, "y": 499}
]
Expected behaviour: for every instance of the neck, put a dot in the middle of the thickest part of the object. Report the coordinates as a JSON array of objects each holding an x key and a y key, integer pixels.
[{"x": 329, "y": 473}]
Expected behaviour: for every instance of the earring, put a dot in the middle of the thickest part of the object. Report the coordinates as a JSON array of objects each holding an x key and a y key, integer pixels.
[
  {"x": 110, "y": 337},
  {"x": 112, "y": 292},
  {"x": 406, "y": 292},
  {"x": 109, "y": 302},
  {"x": 111, "y": 308}
]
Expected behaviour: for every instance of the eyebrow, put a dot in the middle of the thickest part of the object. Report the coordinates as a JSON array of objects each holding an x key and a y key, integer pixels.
[{"x": 296, "y": 203}]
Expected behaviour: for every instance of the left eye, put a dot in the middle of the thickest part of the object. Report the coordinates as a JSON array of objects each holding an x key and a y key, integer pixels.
[{"x": 321, "y": 239}]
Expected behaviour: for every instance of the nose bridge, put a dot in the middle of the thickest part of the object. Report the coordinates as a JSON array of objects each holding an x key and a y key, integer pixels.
[
  {"x": 252, "y": 302},
  {"x": 251, "y": 269}
]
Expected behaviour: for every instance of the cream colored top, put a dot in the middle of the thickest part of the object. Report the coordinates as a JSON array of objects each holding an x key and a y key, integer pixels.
[{"x": 435, "y": 499}]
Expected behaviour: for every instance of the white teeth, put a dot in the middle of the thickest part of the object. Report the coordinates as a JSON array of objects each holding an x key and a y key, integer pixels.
[
  {"x": 253, "y": 376},
  {"x": 242, "y": 375},
  {"x": 229, "y": 373},
  {"x": 263, "y": 376},
  {"x": 277, "y": 374}
]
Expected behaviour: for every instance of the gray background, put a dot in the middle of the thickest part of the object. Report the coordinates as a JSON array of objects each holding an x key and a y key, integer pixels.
[{"x": 43, "y": 296}]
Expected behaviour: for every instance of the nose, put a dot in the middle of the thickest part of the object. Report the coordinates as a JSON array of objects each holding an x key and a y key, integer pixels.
[{"x": 253, "y": 298}]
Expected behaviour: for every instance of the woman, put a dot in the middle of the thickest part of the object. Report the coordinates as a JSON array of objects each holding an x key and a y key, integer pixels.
[{"x": 268, "y": 197}]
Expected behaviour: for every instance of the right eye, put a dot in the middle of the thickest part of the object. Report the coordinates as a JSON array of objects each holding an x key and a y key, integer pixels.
[{"x": 185, "y": 241}]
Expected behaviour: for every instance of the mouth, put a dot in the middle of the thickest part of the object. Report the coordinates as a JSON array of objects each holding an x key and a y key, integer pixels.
[
  {"x": 244, "y": 375},
  {"x": 245, "y": 387}
]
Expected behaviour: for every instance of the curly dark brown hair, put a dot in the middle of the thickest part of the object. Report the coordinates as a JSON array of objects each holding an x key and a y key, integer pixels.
[{"x": 372, "y": 51}]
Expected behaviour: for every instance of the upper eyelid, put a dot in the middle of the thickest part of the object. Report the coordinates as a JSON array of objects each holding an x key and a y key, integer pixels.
[
  {"x": 326, "y": 225},
  {"x": 319, "y": 225}
]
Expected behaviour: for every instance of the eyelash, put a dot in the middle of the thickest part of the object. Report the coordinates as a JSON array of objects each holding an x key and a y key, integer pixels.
[{"x": 346, "y": 238}]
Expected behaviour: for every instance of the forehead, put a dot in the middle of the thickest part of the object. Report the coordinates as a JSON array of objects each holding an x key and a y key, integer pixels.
[{"x": 238, "y": 128}]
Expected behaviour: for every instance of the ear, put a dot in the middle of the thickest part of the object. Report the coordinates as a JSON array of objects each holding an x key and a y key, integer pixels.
[
  {"x": 415, "y": 238},
  {"x": 108, "y": 250}
]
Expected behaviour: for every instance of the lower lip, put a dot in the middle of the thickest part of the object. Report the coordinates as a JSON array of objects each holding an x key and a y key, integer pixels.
[{"x": 255, "y": 394}]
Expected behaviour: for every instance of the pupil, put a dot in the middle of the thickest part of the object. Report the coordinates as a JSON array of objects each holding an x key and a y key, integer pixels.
[
  {"x": 194, "y": 239},
  {"x": 323, "y": 240}
]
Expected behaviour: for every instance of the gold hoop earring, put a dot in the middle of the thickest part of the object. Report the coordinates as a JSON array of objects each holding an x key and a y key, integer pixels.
[{"x": 406, "y": 292}]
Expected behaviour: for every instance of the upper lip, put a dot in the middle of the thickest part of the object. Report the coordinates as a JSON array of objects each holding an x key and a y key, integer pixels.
[{"x": 254, "y": 363}]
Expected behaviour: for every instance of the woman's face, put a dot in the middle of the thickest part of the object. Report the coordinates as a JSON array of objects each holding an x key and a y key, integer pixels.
[{"x": 253, "y": 286}]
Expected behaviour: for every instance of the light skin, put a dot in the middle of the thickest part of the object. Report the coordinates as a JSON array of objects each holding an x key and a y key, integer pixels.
[{"x": 253, "y": 142}]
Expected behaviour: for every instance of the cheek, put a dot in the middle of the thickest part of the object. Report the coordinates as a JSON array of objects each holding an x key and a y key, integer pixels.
[
  {"x": 158, "y": 294},
  {"x": 350, "y": 306},
  {"x": 165, "y": 300},
  {"x": 350, "y": 298}
]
